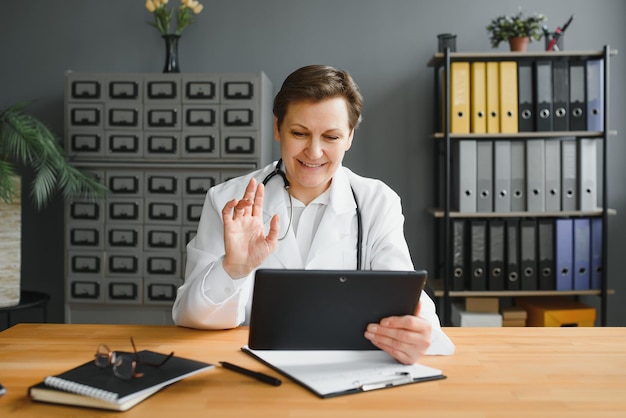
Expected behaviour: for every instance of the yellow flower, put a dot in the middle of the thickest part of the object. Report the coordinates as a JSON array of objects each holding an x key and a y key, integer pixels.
[
  {"x": 150, "y": 6},
  {"x": 163, "y": 15},
  {"x": 190, "y": 3}
]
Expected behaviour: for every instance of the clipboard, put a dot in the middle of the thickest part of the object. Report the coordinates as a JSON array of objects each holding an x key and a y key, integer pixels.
[{"x": 332, "y": 373}]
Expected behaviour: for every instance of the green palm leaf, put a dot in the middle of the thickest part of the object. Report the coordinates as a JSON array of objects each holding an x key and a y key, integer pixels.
[{"x": 27, "y": 141}]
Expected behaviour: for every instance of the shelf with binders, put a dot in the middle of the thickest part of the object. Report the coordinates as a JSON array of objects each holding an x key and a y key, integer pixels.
[
  {"x": 439, "y": 59},
  {"x": 526, "y": 135},
  {"x": 556, "y": 176},
  {"x": 501, "y": 122},
  {"x": 440, "y": 213},
  {"x": 437, "y": 287},
  {"x": 525, "y": 256},
  {"x": 524, "y": 94}
]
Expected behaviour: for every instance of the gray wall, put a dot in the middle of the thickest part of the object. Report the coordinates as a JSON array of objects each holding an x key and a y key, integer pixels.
[{"x": 384, "y": 44}]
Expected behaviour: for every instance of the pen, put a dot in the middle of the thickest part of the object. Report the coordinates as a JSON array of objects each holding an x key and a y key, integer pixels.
[
  {"x": 258, "y": 376},
  {"x": 567, "y": 23}
]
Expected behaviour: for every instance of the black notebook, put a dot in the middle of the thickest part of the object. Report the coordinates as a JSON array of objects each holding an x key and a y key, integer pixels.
[{"x": 91, "y": 386}]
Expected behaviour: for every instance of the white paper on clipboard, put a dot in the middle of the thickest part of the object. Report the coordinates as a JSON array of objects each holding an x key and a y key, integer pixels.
[{"x": 329, "y": 373}]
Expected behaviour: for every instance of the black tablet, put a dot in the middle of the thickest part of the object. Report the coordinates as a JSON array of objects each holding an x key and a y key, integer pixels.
[{"x": 327, "y": 309}]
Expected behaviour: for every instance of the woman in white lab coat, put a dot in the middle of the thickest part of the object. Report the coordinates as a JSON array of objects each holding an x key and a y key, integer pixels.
[{"x": 312, "y": 224}]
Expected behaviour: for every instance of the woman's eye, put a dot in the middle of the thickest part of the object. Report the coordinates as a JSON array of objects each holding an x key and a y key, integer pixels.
[
  {"x": 298, "y": 134},
  {"x": 332, "y": 137}
]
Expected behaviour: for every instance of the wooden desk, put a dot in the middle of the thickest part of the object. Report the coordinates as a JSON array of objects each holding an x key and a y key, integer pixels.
[{"x": 496, "y": 372}]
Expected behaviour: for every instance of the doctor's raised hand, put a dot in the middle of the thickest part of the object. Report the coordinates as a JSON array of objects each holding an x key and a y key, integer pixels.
[{"x": 245, "y": 243}]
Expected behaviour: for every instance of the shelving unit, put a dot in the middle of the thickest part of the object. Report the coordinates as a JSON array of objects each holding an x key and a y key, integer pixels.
[
  {"x": 445, "y": 213},
  {"x": 159, "y": 142}
]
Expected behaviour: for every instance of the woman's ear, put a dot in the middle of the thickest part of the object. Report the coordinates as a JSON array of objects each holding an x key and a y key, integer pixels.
[
  {"x": 276, "y": 130},
  {"x": 349, "y": 141}
]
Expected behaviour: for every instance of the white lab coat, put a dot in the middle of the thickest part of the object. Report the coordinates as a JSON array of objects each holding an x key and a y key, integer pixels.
[{"x": 210, "y": 299}]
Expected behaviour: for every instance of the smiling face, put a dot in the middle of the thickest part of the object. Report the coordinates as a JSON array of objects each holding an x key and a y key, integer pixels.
[{"x": 314, "y": 136}]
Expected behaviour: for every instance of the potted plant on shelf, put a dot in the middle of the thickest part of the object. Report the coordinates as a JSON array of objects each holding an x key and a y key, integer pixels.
[
  {"x": 518, "y": 30},
  {"x": 27, "y": 143}
]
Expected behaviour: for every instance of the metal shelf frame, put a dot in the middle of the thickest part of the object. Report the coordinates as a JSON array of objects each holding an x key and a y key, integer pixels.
[{"x": 445, "y": 214}]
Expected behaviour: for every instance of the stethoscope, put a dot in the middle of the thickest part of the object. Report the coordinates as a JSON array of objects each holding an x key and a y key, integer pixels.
[{"x": 359, "y": 238}]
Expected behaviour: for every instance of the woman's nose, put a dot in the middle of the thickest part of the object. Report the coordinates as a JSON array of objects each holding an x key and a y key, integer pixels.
[{"x": 314, "y": 148}]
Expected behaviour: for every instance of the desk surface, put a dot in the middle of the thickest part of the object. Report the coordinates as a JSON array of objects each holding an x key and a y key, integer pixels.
[{"x": 496, "y": 372}]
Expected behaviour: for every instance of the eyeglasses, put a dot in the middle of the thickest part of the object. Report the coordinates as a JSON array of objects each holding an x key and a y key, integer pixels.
[{"x": 124, "y": 365}]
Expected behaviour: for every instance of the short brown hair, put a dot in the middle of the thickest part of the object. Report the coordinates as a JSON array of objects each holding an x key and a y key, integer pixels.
[{"x": 316, "y": 83}]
